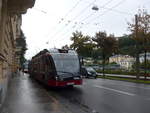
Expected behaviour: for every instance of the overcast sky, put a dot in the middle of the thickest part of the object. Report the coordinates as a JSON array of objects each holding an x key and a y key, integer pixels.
[{"x": 50, "y": 23}]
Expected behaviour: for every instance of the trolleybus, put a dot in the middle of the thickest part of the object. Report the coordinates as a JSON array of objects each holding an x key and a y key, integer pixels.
[{"x": 56, "y": 67}]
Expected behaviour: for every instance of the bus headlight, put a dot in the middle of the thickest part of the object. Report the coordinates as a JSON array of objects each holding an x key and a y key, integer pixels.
[
  {"x": 56, "y": 78},
  {"x": 59, "y": 78}
]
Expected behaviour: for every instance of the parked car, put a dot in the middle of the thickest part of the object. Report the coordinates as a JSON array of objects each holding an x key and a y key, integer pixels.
[
  {"x": 96, "y": 67},
  {"x": 89, "y": 72}
]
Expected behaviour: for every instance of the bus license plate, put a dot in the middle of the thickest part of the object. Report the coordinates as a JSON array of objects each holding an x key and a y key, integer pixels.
[{"x": 70, "y": 83}]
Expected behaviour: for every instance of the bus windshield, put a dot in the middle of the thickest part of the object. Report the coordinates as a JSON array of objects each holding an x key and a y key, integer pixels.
[{"x": 66, "y": 63}]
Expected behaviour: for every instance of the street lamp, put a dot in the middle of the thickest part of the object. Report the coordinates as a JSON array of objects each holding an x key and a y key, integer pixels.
[{"x": 95, "y": 8}]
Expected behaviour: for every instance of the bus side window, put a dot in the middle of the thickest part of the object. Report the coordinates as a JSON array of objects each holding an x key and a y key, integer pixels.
[
  {"x": 48, "y": 64},
  {"x": 46, "y": 60},
  {"x": 41, "y": 64},
  {"x": 45, "y": 63},
  {"x": 37, "y": 65}
]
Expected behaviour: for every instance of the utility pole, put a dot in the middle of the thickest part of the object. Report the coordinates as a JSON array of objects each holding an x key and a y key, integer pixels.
[
  {"x": 145, "y": 51},
  {"x": 137, "y": 47},
  {"x": 145, "y": 60}
]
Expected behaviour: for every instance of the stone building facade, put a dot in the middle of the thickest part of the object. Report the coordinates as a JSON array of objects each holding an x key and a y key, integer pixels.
[
  {"x": 125, "y": 61},
  {"x": 142, "y": 57},
  {"x": 10, "y": 29}
]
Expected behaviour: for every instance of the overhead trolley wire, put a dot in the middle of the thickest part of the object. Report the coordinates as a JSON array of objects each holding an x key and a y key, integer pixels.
[
  {"x": 96, "y": 11},
  {"x": 42, "y": 11},
  {"x": 84, "y": 9},
  {"x": 114, "y": 10},
  {"x": 72, "y": 9},
  {"x": 67, "y": 14},
  {"x": 75, "y": 17},
  {"x": 92, "y": 13},
  {"x": 111, "y": 9},
  {"x": 108, "y": 10}
]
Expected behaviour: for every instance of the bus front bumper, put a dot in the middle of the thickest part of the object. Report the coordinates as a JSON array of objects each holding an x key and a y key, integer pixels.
[{"x": 65, "y": 83}]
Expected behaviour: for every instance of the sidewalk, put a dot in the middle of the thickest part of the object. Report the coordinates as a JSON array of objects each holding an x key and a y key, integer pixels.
[
  {"x": 124, "y": 76},
  {"x": 27, "y": 96}
]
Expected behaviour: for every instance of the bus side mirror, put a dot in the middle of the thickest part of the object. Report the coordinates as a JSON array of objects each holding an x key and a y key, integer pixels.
[
  {"x": 82, "y": 70},
  {"x": 81, "y": 61}
]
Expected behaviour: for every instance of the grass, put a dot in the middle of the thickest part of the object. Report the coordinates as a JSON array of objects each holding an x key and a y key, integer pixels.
[
  {"x": 120, "y": 72},
  {"x": 126, "y": 79},
  {"x": 117, "y": 72}
]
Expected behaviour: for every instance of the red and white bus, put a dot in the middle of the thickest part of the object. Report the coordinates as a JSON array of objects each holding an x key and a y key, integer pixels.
[{"x": 56, "y": 67}]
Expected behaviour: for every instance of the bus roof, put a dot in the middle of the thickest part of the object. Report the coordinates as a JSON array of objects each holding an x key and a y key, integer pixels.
[
  {"x": 70, "y": 51},
  {"x": 55, "y": 51}
]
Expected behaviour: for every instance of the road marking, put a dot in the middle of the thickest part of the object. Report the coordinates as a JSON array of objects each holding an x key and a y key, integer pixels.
[
  {"x": 148, "y": 88},
  {"x": 130, "y": 86},
  {"x": 148, "y": 99},
  {"x": 118, "y": 91}
]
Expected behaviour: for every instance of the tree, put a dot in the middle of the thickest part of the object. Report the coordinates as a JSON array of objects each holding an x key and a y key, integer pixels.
[
  {"x": 65, "y": 47},
  {"x": 141, "y": 34},
  {"x": 126, "y": 45},
  {"x": 107, "y": 44},
  {"x": 96, "y": 53},
  {"x": 142, "y": 65},
  {"x": 21, "y": 43},
  {"x": 76, "y": 40},
  {"x": 82, "y": 44}
]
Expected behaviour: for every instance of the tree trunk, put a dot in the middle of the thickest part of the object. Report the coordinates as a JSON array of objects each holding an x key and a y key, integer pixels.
[
  {"x": 103, "y": 65},
  {"x": 145, "y": 65},
  {"x": 137, "y": 63},
  {"x": 137, "y": 48}
]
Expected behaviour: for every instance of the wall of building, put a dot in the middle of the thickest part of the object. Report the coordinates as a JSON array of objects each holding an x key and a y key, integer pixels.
[
  {"x": 3, "y": 62},
  {"x": 10, "y": 28},
  {"x": 142, "y": 57},
  {"x": 125, "y": 61}
]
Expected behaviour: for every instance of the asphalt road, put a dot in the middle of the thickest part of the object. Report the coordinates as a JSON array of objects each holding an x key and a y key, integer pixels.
[
  {"x": 106, "y": 96},
  {"x": 94, "y": 96}
]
